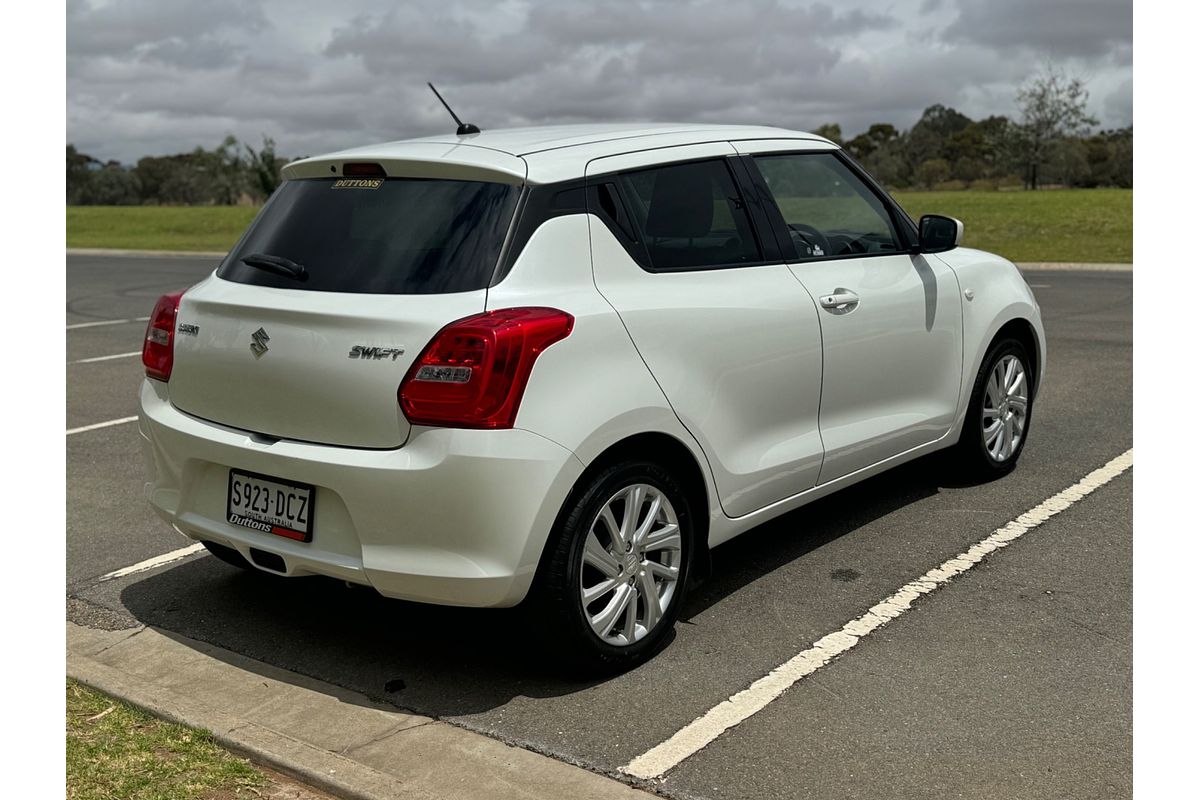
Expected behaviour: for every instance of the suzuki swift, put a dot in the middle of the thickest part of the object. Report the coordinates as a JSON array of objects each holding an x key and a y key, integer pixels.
[{"x": 559, "y": 365}]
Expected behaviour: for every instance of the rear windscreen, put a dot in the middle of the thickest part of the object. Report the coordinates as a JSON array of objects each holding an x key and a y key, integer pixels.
[{"x": 393, "y": 236}]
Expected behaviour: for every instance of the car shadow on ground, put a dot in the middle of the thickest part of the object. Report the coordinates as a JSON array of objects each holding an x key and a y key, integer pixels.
[{"x": 447, "y": 662}]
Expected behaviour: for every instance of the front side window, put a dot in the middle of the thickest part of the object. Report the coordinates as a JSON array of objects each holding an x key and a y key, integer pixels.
[
  {"x": 829, "y": 212},
  {"x": 691, "y": 216}
]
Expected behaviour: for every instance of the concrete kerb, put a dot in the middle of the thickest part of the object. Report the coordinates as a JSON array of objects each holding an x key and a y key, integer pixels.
[{"x": 328, "y": 737}]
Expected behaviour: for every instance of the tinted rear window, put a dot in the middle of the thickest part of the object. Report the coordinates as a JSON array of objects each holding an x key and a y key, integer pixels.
[
  {"x": 691, "y": 215},
  {"x": 406, "y": 236}
]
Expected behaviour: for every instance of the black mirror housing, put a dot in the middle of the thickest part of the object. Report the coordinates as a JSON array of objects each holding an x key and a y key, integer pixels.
[{"x": 939, "y": 234}]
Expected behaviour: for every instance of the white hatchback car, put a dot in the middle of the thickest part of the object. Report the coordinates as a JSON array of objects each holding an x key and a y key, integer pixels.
[{"x": 561, "y": 364}]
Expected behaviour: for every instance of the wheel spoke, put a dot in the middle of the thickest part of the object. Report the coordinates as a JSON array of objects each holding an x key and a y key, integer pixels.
[
  {"x": 650, "y": 602},
  {"x": 594, "y": 593},
  {"x": 629, "y": 630},
  {"x": 595, "y": 555},
  {"x": 1010, "y": 371},
  {"x": 1006, "y": 449},
  {"x": 651, "y": 515},
  {"x": 665, "y": 538},
  {"x": 1017, "y": 403},
  {"x": 993, "y": 390},
  {"x": 1018, "y": 382},
  {"x": 990, "y": 432},
  {"x": 635, "y": 496},
  {"x": 661, "y": 570},
  {"x": 603, "y": 622},
  {"x": 614, "y": 527}
]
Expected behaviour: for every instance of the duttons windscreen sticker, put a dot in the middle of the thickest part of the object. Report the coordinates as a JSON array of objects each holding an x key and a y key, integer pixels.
[{"x": 358, "y": 183}]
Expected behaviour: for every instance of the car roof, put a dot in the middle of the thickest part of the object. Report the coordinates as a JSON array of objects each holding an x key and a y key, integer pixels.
[{"x": 542, "y": 154}]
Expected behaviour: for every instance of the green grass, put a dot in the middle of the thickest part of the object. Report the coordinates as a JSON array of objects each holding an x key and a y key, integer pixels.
[
  {"x": 1086, "y": 225},
  {"x": 117, "y": 751},
  {"x": 157, "y": 227},
  {"x": 1056, "y": 225}
]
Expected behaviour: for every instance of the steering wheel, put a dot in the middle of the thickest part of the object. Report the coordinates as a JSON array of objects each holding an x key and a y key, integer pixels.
[
  {"x": 810, "y": 238},
  {"x": 846, "y": 244}
]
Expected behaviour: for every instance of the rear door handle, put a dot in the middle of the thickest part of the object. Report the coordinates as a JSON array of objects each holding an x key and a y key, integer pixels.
[{"x": 840, "y": 301}]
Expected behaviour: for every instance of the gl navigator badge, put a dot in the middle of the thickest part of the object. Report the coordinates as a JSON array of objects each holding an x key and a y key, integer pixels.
[{"x": 258, "y": 342}]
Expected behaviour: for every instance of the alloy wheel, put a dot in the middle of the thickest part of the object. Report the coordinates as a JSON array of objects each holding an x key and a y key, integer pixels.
[
  {"x": 631, "y": 562},
  {"x": 1005, "y": 408}
]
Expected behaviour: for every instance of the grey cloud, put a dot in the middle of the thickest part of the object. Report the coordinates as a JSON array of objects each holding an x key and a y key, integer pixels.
[
  {"x": 122, "y": 28},
  {"x": 1061, "y": 28},
  {"x": 152, "y": 76}
]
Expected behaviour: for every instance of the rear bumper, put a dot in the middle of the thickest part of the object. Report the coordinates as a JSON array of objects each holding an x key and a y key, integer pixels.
[{"x": 456, "y": 517}]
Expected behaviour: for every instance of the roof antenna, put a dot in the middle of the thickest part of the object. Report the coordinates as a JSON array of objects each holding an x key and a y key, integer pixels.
[{"x": 464, "y": 128}]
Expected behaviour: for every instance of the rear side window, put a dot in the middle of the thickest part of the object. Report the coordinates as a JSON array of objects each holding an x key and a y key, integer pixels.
[
  {"x": 393, "y": 236},
  {"x": 691, "y": 216}
]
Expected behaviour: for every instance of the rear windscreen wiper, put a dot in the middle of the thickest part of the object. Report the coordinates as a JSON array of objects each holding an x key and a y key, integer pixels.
[{"x": 277, "y": 264}]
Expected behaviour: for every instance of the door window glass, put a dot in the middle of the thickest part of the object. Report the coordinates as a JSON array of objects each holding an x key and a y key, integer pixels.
[
  {"x": 691, "y": 216},
  {"x": 829, "y": 212}
]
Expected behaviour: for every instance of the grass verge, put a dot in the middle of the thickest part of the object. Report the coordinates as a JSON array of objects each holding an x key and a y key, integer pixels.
[
  {"x": 183, "y": 228},
  {"x": 1081, "y": 225},
  {"x": 117, "y": 751}
]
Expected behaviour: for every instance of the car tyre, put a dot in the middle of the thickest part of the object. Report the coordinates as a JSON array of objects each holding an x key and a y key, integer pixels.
[
  {"x": 598, "y": 549},
  {"x": 999, "y": 415}
]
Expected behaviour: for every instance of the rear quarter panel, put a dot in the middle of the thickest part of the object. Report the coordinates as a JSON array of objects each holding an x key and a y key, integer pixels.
[{"x": 590, "y": 390}]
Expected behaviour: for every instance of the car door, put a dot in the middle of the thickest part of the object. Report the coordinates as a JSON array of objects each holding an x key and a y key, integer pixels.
[
  {"x": 891, "y": 320},
  {"x": 729, "y": 334}
]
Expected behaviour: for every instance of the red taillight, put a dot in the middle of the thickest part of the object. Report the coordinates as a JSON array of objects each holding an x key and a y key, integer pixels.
[
  {"x": 473, "y": 373},
  {"x": 158, "y": 351}
]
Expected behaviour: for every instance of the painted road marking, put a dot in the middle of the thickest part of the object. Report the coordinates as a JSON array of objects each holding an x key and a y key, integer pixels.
[
  {"x": 79, "y": 325},
  {"x": 151, "y": 563},
  {"x": 111, "y": 422},
  {"x": 105, "y": 358},
  {"x": 748, "y": 702}
]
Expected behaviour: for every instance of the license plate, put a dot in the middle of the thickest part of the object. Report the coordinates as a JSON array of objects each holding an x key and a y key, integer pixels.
[{"x": 271, "y": 505}]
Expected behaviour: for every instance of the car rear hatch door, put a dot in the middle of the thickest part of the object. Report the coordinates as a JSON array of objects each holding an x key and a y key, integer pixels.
[{"x": 316, "y": 352}]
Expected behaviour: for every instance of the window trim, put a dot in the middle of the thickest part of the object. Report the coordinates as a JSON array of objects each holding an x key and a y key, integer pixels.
[{"x": 901, "y": 222}]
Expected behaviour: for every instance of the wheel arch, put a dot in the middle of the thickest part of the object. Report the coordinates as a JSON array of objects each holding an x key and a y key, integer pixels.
[
  {"x": 670, "y": 452},
  {"x": 1023, "y": 331}
]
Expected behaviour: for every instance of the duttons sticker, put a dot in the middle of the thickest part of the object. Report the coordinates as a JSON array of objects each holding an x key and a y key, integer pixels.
[{"x": 358, "y": 183}]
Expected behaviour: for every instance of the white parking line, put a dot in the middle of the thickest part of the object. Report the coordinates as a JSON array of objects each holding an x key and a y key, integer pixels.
[
  {"x": 151, "y": 563},
  {"x": 107, "y": 424},
  {"x": 105, "y": 358},
  {"x": 79, "y": 325},
  {"x": 741, "y": 706}
]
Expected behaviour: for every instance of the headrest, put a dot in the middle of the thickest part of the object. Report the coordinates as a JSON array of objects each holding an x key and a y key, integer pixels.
[{"x": 682, "y": 203}]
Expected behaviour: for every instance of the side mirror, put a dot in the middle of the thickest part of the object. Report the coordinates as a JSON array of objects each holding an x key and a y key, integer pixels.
[{"x": 939, "y": 234}]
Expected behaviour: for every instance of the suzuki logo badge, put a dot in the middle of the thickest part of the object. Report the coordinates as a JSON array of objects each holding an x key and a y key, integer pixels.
[{"x": 259, "y": 344}]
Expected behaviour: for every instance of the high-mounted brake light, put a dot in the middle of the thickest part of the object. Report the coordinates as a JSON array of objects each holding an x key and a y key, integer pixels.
[
  {"x": 359, "y": 169},
  {"x": 473, "y": 373},
  {"x": 158, "y": 351}
]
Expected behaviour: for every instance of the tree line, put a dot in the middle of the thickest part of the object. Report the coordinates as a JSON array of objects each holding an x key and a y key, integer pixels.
[
  {"x": 1050, "y": 143},
  {"x": 232, "y": 173}
]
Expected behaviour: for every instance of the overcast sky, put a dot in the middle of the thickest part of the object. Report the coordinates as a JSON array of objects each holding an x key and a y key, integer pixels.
[{"x": 149, "y": 77}]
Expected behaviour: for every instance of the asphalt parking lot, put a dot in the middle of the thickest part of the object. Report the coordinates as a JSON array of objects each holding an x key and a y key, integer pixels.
[{"x": 1012, "y": 681}]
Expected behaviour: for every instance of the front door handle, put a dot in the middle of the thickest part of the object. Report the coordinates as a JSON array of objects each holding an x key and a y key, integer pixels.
[{"x": 840, "y": 301}]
